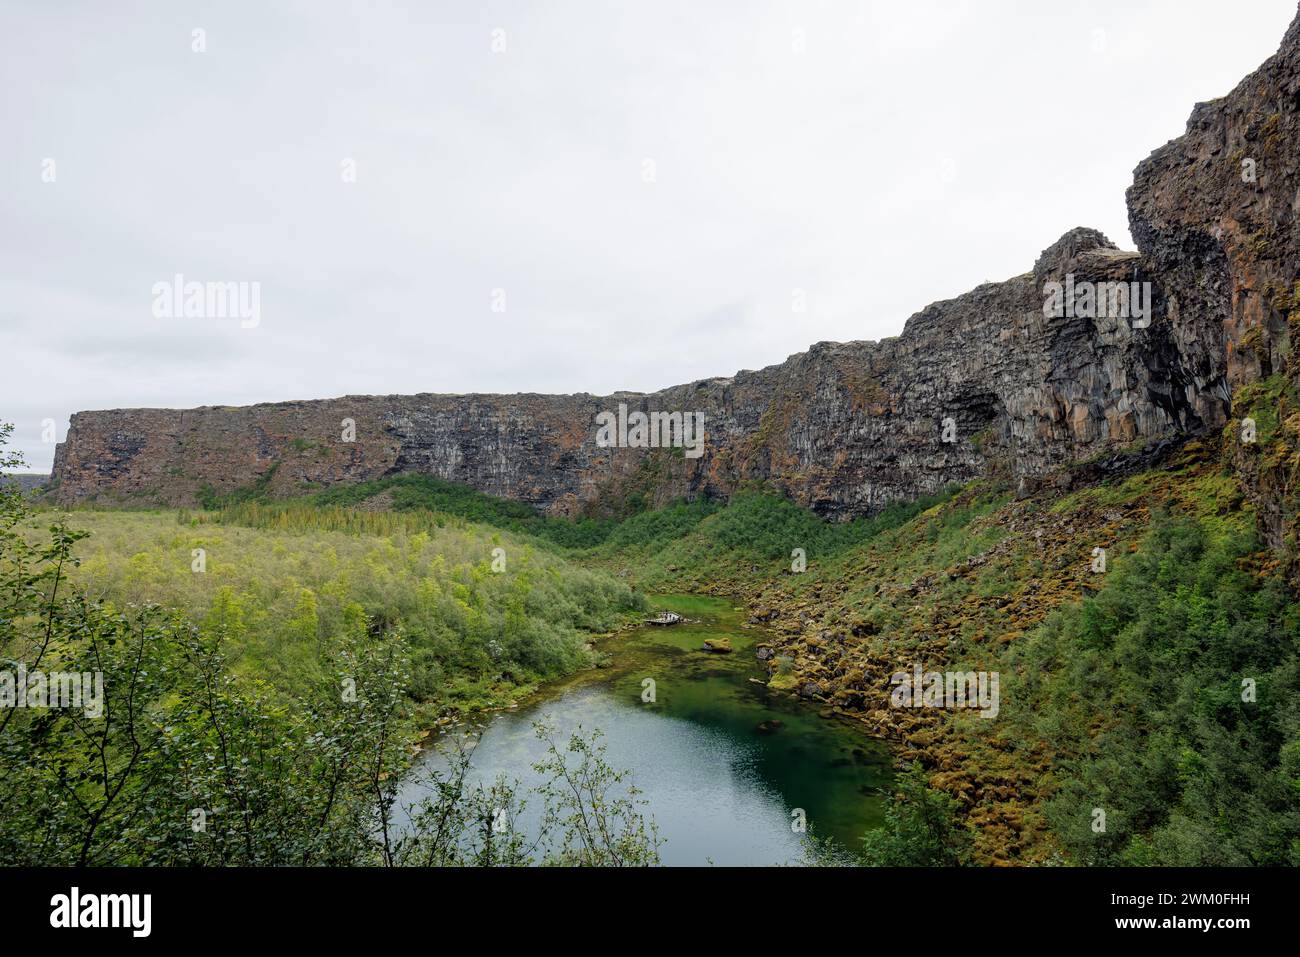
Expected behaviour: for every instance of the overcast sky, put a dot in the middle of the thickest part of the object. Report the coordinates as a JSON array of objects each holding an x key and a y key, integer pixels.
[{"x": 647, "y": 183}]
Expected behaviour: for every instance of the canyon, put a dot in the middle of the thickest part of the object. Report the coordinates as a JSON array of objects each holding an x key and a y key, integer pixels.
[{"x": 847, "y": 428}]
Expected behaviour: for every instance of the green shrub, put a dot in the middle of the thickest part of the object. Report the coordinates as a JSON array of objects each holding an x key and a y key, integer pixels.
[{"x": 1141, "y": 691}]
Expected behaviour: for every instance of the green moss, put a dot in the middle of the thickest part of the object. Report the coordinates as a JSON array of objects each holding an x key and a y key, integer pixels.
[
  {"x": 1110, "y": 494},
  {"x": 1260, "y": 401}
]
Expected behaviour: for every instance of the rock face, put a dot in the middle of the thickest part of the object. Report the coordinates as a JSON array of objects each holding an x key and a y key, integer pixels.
[
  {"x": 1215, "y": 215},
  {"x": 989, "y": 383},
  {"x": 976, "y": 384}
]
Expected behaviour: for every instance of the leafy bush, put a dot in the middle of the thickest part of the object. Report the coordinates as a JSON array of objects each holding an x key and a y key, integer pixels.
[
  {"x": 280, "y": 591},
  {"x": 920, "y": 828},
  {"x": 1172, "y": 697}
]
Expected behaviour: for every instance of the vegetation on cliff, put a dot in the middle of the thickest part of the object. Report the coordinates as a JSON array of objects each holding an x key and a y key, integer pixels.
[
  {"x": 1130, "y": 621},
  {"x": 1170, "y": 701}
]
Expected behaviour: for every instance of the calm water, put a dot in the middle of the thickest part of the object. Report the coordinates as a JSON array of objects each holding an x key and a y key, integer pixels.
[{"x": 720, "y": 788}]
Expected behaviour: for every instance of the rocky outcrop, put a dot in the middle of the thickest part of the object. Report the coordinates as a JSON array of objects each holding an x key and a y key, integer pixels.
[
  {"x": 988, "y": 384},
  {"x": 978, "y": 384},
  {"x": 1215, "y": 213}
]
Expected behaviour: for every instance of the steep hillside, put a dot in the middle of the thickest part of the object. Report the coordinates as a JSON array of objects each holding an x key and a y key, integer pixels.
[
  {"x": 1122, "y": 609},
  {"x": 1215, "y": 213}
]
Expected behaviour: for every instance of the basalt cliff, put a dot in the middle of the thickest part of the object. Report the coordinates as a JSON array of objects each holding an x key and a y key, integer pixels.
[{"x": 987, "y": 384}]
